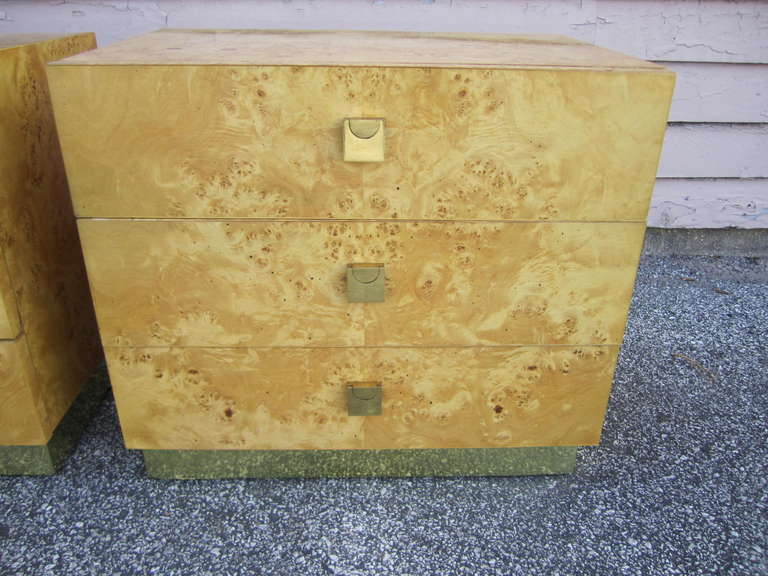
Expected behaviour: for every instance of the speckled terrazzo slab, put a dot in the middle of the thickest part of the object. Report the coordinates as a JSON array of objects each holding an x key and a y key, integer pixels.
[
  {"x": 46, "y": 459},
  {"x": 349, "y": 463}
]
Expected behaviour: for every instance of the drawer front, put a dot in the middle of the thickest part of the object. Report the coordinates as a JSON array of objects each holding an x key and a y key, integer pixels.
[
  {"x": 266, "y": 142},
  {"x": 214, "y": 283},
  {"x": 238, "y": 398},
  {"x": 10, "y": 326}
]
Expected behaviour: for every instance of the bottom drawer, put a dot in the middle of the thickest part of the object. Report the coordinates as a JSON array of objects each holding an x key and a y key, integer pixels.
[{"x": 296, "y": 398}]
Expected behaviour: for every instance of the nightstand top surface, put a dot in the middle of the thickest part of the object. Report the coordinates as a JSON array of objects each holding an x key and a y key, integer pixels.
[
  {"x": 357, "y": 48},
  {"x": 10, "y": 41}
]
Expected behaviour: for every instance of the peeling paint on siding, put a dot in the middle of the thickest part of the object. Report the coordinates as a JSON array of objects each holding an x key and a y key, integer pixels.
[{"x": 710, "y": 203}]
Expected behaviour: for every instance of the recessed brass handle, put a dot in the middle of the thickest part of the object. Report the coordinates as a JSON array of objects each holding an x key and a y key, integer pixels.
[
  {"x": 365, "y": 282},
  {"x": 363, "y": 398},
  {"x": 364, "y": 140}
]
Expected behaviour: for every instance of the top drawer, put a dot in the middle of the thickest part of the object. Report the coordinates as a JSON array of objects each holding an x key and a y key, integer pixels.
[{"x": 159, "y": 141}]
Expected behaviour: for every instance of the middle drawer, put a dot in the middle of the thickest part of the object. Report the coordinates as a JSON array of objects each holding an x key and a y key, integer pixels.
[{"x": 282, "y": 283}]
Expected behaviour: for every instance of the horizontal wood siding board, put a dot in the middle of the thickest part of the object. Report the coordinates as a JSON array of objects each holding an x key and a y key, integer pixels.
[
  {"x": 716, "y": 92},
  {"x": 709, "y": 203},
  {"x": 715, "y": 151}
]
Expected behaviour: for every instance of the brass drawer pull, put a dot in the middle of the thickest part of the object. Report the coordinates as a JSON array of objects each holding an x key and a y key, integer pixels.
[
  {"x": 365, "y": 282},
  {"x": 364, "y": 140},
  {"x": 363, "y": 398}
]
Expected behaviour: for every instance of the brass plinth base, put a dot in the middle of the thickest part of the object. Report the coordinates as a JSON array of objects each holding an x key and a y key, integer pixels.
[{"x": 356, "y": 463}]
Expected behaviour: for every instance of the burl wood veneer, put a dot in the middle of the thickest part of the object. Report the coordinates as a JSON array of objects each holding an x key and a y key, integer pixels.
[
  {"x": 218, "y": 217},
  {"x": 49, "y": 343}
]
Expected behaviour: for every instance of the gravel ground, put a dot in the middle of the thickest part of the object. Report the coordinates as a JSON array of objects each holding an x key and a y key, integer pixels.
[{"x": 678, "y": 485}]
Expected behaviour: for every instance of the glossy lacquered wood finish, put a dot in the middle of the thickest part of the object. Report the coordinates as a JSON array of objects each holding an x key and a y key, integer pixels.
[
  {"x": 198, "y": 398},
  {"x": 23, "y": 415},
  {"x": 311, "y": 48},
  {"x": 191, "y": 283},
  {"x": 266, "y": 142},
  {"x": 10, "y": 326},
  {"x": 218, "y": 219},
  {"x": 44, "y": 272}
]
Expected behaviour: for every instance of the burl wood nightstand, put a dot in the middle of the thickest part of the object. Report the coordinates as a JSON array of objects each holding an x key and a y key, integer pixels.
[
  {"x": 49, "y": 344},
  {"x": 360, "y": 253}
]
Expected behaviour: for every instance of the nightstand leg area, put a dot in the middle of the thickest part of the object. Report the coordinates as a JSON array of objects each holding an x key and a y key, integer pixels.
[{"x": 47, "y": 458}]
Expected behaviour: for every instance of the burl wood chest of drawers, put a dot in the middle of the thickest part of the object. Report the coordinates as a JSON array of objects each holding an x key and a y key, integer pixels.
[
  {"x": 360, "y": 253},
  {"x": 49, "y": 343}
]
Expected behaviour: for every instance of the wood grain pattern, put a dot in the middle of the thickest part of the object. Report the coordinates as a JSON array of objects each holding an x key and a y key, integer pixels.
[
  {"x": 250, "y": 283},
  {"x": 522, "y": 145},
  {"x": 23, "y": 417},
  {"x": 39, "y": 236},
  {"x": 9, "y": 313},
  {"x": 353, "y": 48},
  {"x": 266, "y": 142},
  {"x": 13, "y": 41},
  {"x": 200, "y": 398},
  {"x": 218, "y": 218}
]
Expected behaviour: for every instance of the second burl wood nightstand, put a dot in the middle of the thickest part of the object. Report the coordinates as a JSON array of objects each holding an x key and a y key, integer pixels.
[
  {"x": 360, "y": 253},
  {"x": 49, "y": 344}
]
